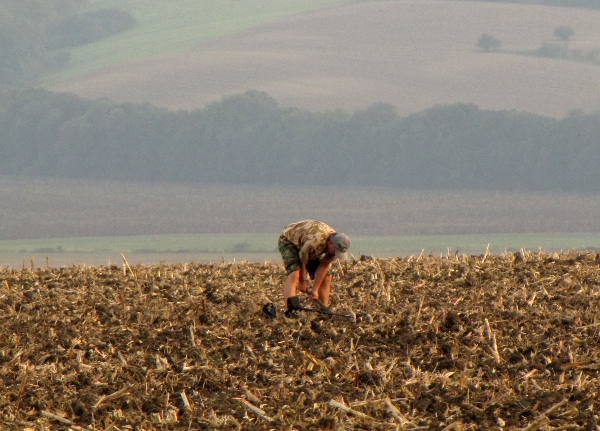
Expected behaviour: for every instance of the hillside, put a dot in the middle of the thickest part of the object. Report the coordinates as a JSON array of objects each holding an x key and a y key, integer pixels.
[{"x": 412, "y": 54}]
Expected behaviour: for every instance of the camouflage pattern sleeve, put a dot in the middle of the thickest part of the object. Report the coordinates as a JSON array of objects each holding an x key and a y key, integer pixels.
[{"x": 310, "y": 236}]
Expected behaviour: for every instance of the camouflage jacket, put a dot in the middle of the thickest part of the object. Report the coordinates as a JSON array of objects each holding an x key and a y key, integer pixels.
[{"x": 310, "y": 236}]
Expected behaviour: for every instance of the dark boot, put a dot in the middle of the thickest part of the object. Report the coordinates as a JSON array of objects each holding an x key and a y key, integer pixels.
[{"x": 293, "y": 304}]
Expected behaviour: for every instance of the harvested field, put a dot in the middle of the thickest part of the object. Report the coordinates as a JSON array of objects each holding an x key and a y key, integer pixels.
[{"x": 443, "y": 343}]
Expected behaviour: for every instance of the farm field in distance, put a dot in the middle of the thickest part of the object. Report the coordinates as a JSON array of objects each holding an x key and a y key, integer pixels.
[
  {"x": 442, "y": 343},
  {"x": 37, "y": 207},
  {"x": 208, "y": 248},
  {"x": 163, "y": 28},
  {"x": 340, "y": 55},
  {"x": 71, "y": 221}
]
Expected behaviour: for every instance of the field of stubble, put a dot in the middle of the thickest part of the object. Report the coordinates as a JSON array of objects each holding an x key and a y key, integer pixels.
[{"x": 442, "y": 343}]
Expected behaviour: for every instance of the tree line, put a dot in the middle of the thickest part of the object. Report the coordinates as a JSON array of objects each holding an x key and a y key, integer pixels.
[{"x": 248, "y": 138}]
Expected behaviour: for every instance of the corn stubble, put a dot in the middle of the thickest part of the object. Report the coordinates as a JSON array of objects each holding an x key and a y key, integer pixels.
[{"x": 448, "y": 343}]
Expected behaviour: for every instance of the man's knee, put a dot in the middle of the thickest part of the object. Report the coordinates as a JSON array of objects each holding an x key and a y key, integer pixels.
[{"x": 294, "y": 275}]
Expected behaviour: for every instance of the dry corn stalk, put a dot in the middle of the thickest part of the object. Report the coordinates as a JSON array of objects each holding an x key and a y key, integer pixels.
[
  {"x": 114, "y": 395},
  {"x": 396, "y": 413},
  {"x": 539, "y": 421},
  {"x": 348, "y": 410},
  {"x": 186, "y": 403},
  {"x": 255, "y": 410}
]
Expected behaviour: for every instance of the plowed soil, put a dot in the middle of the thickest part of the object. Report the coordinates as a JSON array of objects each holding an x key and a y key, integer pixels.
[{"x": 443, "y": 343}]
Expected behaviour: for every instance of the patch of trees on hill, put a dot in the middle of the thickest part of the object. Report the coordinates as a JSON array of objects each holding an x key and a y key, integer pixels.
[
  {"x": 35, "y": 35},
  {"x": 558, "y": 48},
  {"x": 248, "y": 138}
]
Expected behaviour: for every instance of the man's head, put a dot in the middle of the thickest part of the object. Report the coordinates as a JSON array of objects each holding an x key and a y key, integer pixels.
[{"x": 341, "y": 244}]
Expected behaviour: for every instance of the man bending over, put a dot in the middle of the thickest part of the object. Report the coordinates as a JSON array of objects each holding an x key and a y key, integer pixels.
[{"x": 310, "y": 246}]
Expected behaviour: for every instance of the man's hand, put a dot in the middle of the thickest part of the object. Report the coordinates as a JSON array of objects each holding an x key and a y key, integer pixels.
[
  {"x": 303, "y": 286},
  {"x": 320, "y": 290},
  {"x": 312, "y": 295}
]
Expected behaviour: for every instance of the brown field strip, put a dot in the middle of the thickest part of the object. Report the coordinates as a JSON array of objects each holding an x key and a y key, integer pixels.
[{"x": 65, "y": 208}]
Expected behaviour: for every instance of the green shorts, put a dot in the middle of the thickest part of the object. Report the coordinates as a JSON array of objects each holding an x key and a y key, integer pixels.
[{"x": 290, "y": 254}]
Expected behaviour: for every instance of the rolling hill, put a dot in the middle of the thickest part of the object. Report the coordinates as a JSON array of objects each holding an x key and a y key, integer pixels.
[{"x": 412, "y": 54}]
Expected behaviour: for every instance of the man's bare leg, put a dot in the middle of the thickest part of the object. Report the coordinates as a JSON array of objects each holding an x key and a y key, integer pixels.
[
  {"x": 289, "y": 286},
  {"x": 325, "y": 290}
]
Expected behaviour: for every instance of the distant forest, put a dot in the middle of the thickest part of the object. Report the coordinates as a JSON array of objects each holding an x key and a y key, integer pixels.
[{"x": 248, "y": 138}]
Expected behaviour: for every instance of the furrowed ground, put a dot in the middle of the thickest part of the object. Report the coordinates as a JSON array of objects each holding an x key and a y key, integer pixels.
[{"x": 459, "y": 342}]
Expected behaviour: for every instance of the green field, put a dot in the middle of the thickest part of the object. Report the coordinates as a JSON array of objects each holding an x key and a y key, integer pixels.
[
  {"x": 257, "y": 247},
  {"x": 164, "y": 27}
]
